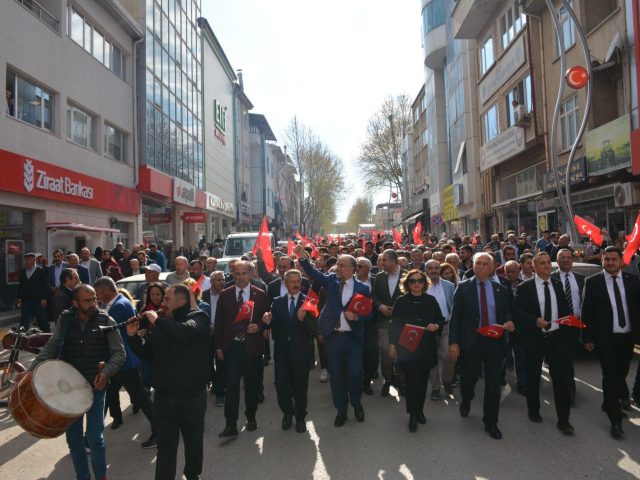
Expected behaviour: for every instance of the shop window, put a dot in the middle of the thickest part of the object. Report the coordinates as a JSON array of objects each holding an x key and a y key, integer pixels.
[
  {"x": 80, "y": 127},
  {"x": 490, "y": 125},
  {"x": 511, "y": 22},
  {"x": 568, "y": 122},
  {"x": 567, "y": 29},
  {"x": 486, "y": 55},
  {"x": 519, "y": 102},
  {"x": 114, "y": 142},
  {"x": 28, "y": 101}
]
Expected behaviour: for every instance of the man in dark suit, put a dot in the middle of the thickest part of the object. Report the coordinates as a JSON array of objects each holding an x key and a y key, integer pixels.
[
  {"x": 86, "y": 260},
  {"x": 538, "y": 303},
  {"x": 611, "y": 311},
  {"x": 216, "y": 365},
  {"x": 292, "y": 330},
  {"x": 33, "y": 294},
  {"x": 385, "y": 292},
  {"x": 415, "y": 260},
  {"x": 55, "y": 269},
  {"x": 83, "y": 272},
  {"x": 480, "y": 302},
  {"x": 277, "y": 288},
  {"x": 370, "y": 348},
  {"x": 63, "y": 298},
  {"x": 342, "y": 332},
  {"x": 572, "y": 284},
  {"x": 240, "y": 344}
]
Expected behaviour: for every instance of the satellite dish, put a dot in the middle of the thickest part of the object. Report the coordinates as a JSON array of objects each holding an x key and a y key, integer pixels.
[{"x": 615, "y": 43}]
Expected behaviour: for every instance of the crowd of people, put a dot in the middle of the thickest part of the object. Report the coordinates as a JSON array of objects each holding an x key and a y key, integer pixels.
[{"x": 371, "y": 313}]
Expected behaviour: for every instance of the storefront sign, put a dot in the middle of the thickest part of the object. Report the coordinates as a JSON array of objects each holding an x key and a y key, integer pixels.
[
  {"x": 506, "y": 145},
  {"x": 450, "y": 211},
  {"x": 609, "y": 147},
  {"x": 578, "y": 175},
  {"x": 216, "y": 204},
  {"x": 28, "y": 176},
  {"x": 502, "y": 71},
  {"x": 184, "y": 192},
  {"x": 159, "y": 218},
  {"x": 14, "y": 264},
  {"x": 194, "y": 217}
]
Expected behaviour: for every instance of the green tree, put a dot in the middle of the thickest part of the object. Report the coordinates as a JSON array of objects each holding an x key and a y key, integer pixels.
[{"x": 360, "y": 212}]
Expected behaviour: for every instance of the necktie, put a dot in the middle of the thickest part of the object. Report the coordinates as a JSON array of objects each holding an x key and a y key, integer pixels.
[
  {"x": 340, "y": 290},
  {"x": 484, "y": 307},
  {"x": 292, "y": 308},
  {"x": 547, "y": 302},
  {"x": 616, "y": 292},
  {"x": 567, "y": 292},
  {"x": 240, "y": 298}
]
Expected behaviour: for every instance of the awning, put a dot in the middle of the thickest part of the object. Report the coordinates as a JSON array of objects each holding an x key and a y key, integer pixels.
[
  {"x": 81, "y": 227},
  {"x": 412, "y": 218}
]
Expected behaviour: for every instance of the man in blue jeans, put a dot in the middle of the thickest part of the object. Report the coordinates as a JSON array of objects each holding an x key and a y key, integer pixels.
[{"x": 77, "y": 340}]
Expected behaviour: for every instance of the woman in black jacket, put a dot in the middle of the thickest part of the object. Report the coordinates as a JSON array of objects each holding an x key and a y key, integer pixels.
[{"x": 416, "y": 313}]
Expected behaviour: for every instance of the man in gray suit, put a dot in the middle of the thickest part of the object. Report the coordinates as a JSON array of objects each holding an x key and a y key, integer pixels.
[
  {"x": 386, "y": 290},
  {"x": 442, "y": 290},
  {"x": 86, "y": 260}
]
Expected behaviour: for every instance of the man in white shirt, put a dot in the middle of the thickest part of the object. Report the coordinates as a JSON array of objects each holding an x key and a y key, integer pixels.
[
  {"x": 216, "y": 365},
  {"x": 442, "y": 290}
]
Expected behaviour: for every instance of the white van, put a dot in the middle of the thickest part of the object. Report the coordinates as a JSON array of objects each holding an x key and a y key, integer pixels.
[{"x": 237, "y": 244}]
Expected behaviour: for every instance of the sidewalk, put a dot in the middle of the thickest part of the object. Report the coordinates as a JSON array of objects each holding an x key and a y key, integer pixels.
[{"x": 9, "y": 318}]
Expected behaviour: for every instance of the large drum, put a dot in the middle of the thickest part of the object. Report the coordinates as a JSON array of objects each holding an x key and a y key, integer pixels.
[{"x": 49, "y": 399}]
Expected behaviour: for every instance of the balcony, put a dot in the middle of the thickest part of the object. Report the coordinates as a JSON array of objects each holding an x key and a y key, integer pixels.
[
  {"x": 469, "y": 17},
  {"x": 39, "y": 11},
  {"x": 435, "y": 38}
]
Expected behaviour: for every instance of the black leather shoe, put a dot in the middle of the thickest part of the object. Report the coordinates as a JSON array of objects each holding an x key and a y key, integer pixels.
[
  {"x": 116, "y": 424},
  {"x": 493, "y": 431},
  {"x": 535, "y": 417},
  {"x": 616, "y": 430},
  {"x": 251, "y": 424},
  {"x": 301, "y": 426},
  {"x": 286, "y": 421},
  {"x": 421, "y": 418},
  {"x": 565, "y": 428},
  {"x": 465, "y": 408},
  {"x": 260, "y": 397},
  {"x": 385, "y": 389},
  {"x": 366, "y": 388},
  {"x": 231, "y": 430},
  {"x": 413, "y": 422},
  {"x": 340, "y": 419},
  {"x": 358, "y": 411}
]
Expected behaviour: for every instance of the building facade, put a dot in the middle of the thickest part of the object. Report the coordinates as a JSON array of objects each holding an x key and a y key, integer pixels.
[
  {"x": 66, "y": 131},
  {"x": 262, "y": 163}
]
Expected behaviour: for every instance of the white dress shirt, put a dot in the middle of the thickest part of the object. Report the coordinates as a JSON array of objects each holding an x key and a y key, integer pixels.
[
  {"x": 283, "y": 288},
  {"x": 554, "y": 303},
  {"x": 29, "y": 271},
  {"x": 612, "y": 298},
  {"x": 58, "y": 270},
  {"x": 393, "y": 279},
  {"x": 246, "y": 291},
  {"x": 347, "y": 293},
  {"x": 214, "y": 306},
  {"x": 575, "y": 291},
  {"x": 437, "y": 291}
]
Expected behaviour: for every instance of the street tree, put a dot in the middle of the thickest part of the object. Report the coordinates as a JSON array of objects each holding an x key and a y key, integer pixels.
[{"x": 360, "y": 212}]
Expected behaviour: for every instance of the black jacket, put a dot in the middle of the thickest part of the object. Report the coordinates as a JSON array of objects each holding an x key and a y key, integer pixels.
[
  {"x": 35, "y": 288},
  {"x": 179, "y": 348}
]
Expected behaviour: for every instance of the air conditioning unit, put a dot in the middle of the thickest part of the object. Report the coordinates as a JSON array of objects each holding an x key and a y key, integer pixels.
[
  {"x": 522, "y": 118},
  {"x": 625, "y": 194}
]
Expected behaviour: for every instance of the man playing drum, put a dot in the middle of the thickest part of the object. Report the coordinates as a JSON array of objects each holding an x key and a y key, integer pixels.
[{"x": 77, "y": 340}]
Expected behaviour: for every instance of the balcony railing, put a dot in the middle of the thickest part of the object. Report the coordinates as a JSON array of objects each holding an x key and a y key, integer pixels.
[{"x": 39, "y": 11}]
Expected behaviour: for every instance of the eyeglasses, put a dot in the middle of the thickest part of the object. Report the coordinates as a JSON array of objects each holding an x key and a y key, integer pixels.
[{"x": 416, "y": 281}]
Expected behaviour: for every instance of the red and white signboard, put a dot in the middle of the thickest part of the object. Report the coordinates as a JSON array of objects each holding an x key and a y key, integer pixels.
[
  {"x": 32, "y": 177},
  {"x": 15, "y": 253},
  {"x": 194, "y": 217}
]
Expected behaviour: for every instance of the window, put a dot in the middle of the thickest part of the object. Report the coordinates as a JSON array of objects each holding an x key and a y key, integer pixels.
[
  {"x": 433, "y": 15},
  {"x": 490, "y": 124},
  {"x": 114, "y": 142},
  {"x": 521, "y": 95},
  {"x": 80, "y": 127},
  {"x": 95, "y": 43},
  {"x": 511, "y": 22},
  {"x": 486, "y": 55},
  {"x": 568, "y": 122},
  {"x": 567, "y": 29},
  {"x": 29, "y": 102}
]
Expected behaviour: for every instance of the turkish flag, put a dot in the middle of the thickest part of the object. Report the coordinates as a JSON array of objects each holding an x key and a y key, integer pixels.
[
  {"x": 417, "y": 232},
  {"x": 360, "y": 305},
  {"x": 474, "y": 240},
  {"x": 290, "y": 247},
  {"x": 410, "y": 336},
  {"x": 317, "y": 238},
  {"x": 571, "y": 321},
  {"x": 197, "y": 287},
  {"x": 396, "y": 236},
  {"x": 633, "y": 242},
  {"x": 263, "y": 243},
  {"x": 374, "y": 235},
  {"x": 588, "y": 229},
  {"x": 245, "y": 312},
  {"x": 310, "y": 303},
  {"x": 315, "y": 253},
  {"x": 492, "y": 331}
]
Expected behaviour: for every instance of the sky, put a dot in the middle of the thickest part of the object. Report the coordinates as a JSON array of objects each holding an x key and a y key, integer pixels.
[{"x": 330, "y": 63}]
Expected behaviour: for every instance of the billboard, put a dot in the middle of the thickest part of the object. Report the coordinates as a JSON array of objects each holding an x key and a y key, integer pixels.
[{"x": 609, "y": 147}]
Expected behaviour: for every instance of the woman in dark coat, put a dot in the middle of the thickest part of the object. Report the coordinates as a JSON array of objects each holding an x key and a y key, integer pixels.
[{"x": 417, "y": 309}]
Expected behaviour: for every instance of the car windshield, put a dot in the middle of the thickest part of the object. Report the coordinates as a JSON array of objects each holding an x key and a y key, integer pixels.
[{"x": 239, "y": 246}]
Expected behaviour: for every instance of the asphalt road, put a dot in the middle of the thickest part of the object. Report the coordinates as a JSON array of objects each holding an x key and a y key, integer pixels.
[{"x": 447, "y": 447}]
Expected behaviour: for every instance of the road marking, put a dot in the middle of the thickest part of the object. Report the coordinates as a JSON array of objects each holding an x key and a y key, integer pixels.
[
  {"x": 260, "y": 443},
  {"x": 628, "y": 464},
  {"x": 319, "y": 469},
  {"x": 405, "y": 472}
]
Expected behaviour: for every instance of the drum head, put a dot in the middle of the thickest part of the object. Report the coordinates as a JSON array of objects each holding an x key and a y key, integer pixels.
[{"x": 62, "y": 388}]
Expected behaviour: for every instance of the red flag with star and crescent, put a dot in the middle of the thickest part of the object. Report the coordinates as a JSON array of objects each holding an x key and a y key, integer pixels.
[
  {"x": 290, "y": 247},
  {"x": 492, "y": 331},
  {"x": 410, "y": 336},
  {"x": 396, "y": 236},
  {"x": 571, "y": 321},
  {"x": 588, "y": 229},
  {"x": 633, "y": 242},
  {"x": 310, "y": 303},
  {"x": 245, "y": 312},
  {"x": 263, "y": 243},
  {"x": 417, "y": 234},
  {"x": 360, "y": 305}
]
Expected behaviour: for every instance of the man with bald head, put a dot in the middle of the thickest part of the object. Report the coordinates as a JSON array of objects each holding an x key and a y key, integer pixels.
[
  {"x": 93, "y": 265},
  {"x": 181, "y": 273},
  {"x": 83, "y": 272}
]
